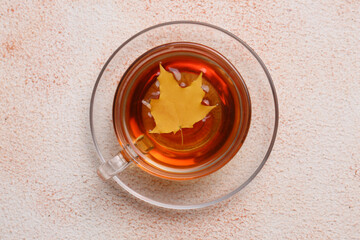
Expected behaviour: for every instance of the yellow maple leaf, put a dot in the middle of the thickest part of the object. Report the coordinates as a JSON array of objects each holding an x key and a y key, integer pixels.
[{"x": 177, "y": 107}]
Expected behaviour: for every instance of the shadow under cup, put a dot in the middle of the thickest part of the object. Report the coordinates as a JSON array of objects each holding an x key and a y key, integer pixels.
[{"x": 189, "y": 153}]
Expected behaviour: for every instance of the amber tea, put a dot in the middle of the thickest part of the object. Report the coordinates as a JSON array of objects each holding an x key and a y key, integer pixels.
[{"x": 185, "y": 136}]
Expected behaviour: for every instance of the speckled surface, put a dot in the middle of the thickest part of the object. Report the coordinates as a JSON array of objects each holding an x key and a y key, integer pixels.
[{"x": 50, "y": 55}]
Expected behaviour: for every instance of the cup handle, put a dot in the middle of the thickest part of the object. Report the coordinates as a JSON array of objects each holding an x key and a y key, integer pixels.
[{"x": 112, "y": 167}]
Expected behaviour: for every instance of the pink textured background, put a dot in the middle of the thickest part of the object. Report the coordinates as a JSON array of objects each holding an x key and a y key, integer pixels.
[{"x": 50, "y": 55}]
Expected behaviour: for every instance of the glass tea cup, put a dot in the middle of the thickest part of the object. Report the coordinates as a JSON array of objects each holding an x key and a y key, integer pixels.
[{"x": 188, "y": 153}]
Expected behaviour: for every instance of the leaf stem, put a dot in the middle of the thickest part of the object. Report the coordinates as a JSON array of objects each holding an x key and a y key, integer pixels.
[{"x": 182, "y": 136}]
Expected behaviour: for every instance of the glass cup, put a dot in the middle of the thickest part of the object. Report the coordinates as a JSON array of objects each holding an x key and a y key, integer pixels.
[
  {"x": 197, "y": 192},
  {"x": 196, "y": 151}
]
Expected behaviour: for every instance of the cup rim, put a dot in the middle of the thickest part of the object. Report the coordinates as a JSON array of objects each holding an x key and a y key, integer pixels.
[
  {"x": 216, "y": 162},
  {"x": 228, "y": 195}
]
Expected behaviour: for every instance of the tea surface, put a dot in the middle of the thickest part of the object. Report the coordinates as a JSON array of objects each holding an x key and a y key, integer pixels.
[{"x": 189, "y": 149}]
